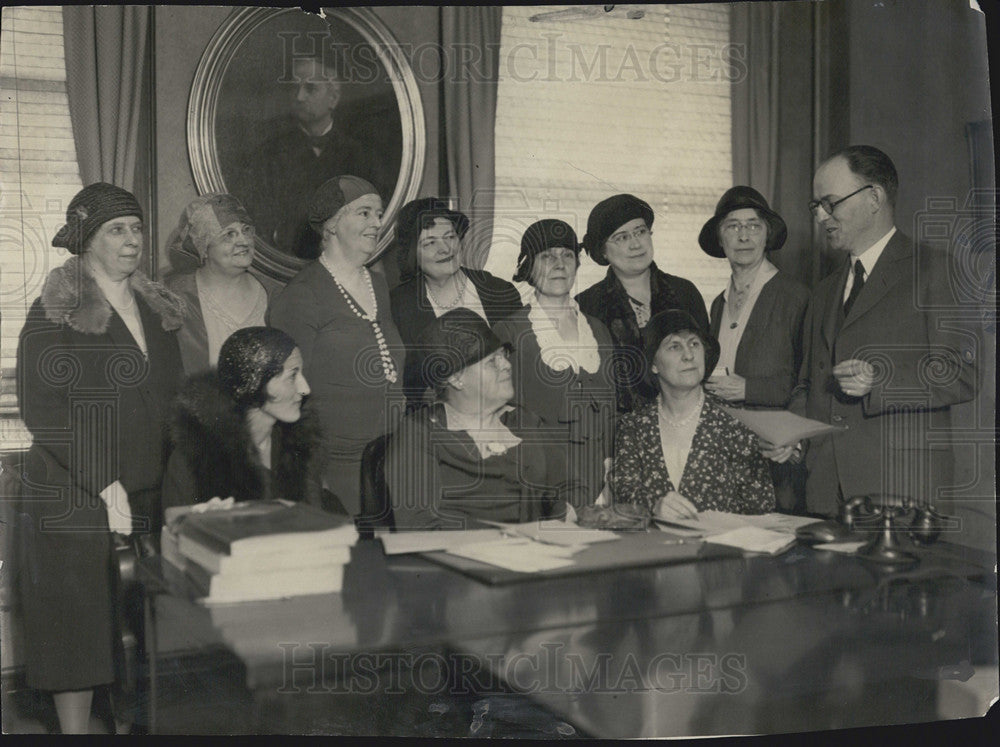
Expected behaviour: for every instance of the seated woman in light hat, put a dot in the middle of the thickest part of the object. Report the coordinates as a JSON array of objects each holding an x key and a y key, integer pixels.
[{"x": 470, "y": 455}]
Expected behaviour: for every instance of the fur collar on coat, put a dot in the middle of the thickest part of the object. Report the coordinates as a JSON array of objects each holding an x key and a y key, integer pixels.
[
  {"x": 212, "y": 435},
  {"x": 72, "y": 297}
]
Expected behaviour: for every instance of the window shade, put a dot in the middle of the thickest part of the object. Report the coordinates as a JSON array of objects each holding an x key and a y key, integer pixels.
[
  {"x": 38, "y": 177},
  {"x": 590, "y": 107}
]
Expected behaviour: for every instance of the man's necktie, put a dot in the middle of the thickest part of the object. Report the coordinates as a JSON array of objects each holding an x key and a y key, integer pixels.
[{"x": 859, "y": 283}]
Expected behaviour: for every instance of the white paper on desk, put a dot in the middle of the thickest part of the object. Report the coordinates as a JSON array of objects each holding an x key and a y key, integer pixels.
[
  {"x": 557, "y": 532},
  {"x": 518, "y": 554},
  {"x": 780, "y": 427},
  {"x": 754, "y": 539},
  {"x": 711, "y": 522},
  {"x": 847, "y": 548},
  {"x": 399, "y": 543}
]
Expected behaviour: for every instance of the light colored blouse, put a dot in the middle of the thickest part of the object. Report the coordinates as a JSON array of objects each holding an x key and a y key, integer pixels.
[
  {"x": 220, "y": 323},
  {"x": 731, "y": 329}
]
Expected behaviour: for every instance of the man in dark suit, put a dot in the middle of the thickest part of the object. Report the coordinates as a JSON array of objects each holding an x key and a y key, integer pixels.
[
  {"x": 884, "y": 354},
  {"x": 307, "y": 150}
]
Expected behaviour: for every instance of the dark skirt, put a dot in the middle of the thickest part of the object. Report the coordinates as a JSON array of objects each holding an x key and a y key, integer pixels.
[{"x": 68, "y": 583}]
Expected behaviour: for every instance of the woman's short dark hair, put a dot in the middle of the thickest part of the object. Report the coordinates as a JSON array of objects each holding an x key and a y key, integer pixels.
[{"x": 249, "y": 358}]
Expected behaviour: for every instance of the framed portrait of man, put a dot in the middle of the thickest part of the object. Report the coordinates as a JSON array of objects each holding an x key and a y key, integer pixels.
[{"x": 284, "y": 100}]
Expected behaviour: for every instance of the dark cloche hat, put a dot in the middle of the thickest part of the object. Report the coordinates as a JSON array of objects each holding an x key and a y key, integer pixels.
[
  {"x": 737, "y": 198},
  {"x": 453, "y": 341},
  {"x": 607, "y": 217},
  {"x": 670, "y": 322},
  {"x": 92, "y": 207},
  {"x": 547, "y": 233}
]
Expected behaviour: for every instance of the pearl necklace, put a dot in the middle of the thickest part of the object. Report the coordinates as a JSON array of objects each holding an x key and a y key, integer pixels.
[
  {"x": 388, "y": 367},
  {"x": 686, "y": 420},
  {"x": 461, "y": 294}
]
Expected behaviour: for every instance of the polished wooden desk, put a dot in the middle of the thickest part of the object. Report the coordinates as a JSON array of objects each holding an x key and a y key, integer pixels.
[{"x": 725, "y": 645}]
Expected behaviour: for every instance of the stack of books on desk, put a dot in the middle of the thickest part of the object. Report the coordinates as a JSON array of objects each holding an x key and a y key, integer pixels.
[{"x": 260, "y": 550}]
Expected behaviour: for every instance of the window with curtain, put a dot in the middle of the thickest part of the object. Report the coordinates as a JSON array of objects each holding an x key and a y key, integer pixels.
[
  {"x": 588, "y": 107},
  {"x": 38, "y": 177}
]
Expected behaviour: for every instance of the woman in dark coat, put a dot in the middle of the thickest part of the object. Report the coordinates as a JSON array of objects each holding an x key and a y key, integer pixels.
[
  {"x": 562, "y": 360},
  {"x": 97, "y": 365},
  {"x": 433, "y": 280},
  {"x": 240, "y": 431},
  {"x": 757, "y": 319},
  {"x": 619, "y": 234},
  {"x": 471, "y": 454}
]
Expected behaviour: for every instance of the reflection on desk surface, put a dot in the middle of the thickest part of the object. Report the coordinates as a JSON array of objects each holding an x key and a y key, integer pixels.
[{"x": 804, "y": 640}]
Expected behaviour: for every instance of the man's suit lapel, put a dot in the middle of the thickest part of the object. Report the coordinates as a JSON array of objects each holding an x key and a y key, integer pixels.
[
  {"x": 834, "y": 306},
  {"x": 881, "y": 278}
]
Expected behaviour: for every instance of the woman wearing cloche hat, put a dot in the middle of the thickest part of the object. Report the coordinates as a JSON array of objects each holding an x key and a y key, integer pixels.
[
  {"x": 619, "y": 234},
  {"x": 337, "y": 311},
  {"x": 97, "y": 366},
  {"x": 757, "y": 318},
  {"x": 472, "y": 454},
  {"x": 562, "y": 359}
]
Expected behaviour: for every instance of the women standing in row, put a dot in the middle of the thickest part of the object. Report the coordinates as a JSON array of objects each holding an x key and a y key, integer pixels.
[
  {"x": 434, "y": 281},
  {"x": 337, "y": 311},
  {"x": 619, "y": 234},
  {"x": 221, "y": 294},
  {"x": 97, "y": 366},
  {"x": 562, "y": 360},
  {"x": 757, "y": 319}
]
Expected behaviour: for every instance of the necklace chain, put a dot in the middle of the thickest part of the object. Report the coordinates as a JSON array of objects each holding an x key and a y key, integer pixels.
[
  {"x": 686, "y": 420},
  {"x": 388, "y": 367},
  {"x": 461, "y": 293}
]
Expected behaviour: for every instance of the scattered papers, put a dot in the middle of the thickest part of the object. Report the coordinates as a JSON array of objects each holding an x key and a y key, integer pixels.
[
  {"x": 518, "y": 554},
  {"x": 555, "y": 532},
  {"x": 755, "y": 539},
  {"x": 846, "y": 548},
  {"x": 710, "y": 523},
  {"x": 400, "y": 543},
  {"x": 780, "y": 427}
]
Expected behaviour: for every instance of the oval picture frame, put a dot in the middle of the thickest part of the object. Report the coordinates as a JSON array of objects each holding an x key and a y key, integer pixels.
[{"x": 226, "y": 72}]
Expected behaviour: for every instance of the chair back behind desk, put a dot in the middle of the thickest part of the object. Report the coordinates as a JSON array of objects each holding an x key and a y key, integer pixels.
[{"x": 716, "y": 644}]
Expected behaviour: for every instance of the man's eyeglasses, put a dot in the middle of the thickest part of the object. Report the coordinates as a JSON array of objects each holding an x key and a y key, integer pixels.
[
  {"x": 622, "y": 237},
  {"x": 733, "y": 228},
  {"x": 828, "y": 205}
]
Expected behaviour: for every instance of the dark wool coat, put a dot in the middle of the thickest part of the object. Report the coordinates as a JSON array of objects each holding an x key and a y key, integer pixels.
[
  {"x": 577, "y": 410},
  {"x": 608, "y": 302},
  {"x": 412, "y": 311},
  {"x": 213, "y": 454},
  {"x": 437, "y": 478},
  {"x": 770, "y": 351},
  {"x": 96, "y": 409}
]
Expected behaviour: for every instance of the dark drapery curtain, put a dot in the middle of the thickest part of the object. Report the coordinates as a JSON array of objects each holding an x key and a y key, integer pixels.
[
  {"x": 106, "y": 52},
  {"x": 471, "y": 49},
  {"x": 782, "y": 131},
  {"x": 755, "y": 98}
]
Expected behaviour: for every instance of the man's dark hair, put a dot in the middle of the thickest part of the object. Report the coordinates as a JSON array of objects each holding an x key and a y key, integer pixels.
[{"x": 873, "y": 165}]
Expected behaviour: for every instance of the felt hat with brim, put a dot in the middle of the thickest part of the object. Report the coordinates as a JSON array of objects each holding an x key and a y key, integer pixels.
[
  {"x": 738, "y": 198},
  {"x": 454, "y": 341},
  {"x": 670, "y": 322}
]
